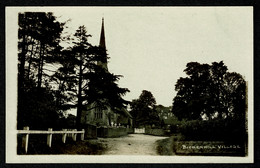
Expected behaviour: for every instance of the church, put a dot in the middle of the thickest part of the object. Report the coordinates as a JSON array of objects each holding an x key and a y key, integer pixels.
[{"x": 100, "y": 117}]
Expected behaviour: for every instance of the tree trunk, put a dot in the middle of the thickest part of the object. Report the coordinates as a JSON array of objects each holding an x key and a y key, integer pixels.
[
  {"x": 30, "y": 60},
  {"x": 40, "y": 66},
  {"x": 22, "y": 64},
  {"x": 79, "y": 108}
]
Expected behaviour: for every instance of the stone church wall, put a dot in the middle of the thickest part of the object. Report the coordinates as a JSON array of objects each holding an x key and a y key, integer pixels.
[
  {"x": 111, "y": 132},
  {"x": 91, "y": 131}
]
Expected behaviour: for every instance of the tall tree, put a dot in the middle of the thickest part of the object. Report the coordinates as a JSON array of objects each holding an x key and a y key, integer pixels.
[
  {"x": 65, "y": 80},
  {"x": 84, "y": 81},
  {"x": 79, "y": 65},
  {"x": 208, "y": 92},
  {"x": 104, "y": 90},
  {"x": 39, "y": 36},
  {"x": 143, "y": 109},
  {"x": 38, "y": 44}
]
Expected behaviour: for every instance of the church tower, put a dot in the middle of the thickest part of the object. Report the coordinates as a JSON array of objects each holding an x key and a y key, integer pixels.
[{"x": 102, "y": 44}]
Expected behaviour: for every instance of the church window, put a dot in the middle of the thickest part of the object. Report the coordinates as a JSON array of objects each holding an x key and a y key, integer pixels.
[{"x": 98, "y": 114}]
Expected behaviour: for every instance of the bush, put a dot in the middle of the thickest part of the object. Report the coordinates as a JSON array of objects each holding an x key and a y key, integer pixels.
[
  {"x": 176, "y": 126},
  {"x": 211, "y": 130}
]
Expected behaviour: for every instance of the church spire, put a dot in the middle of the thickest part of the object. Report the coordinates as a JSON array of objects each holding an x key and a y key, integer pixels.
[{"x": 102, "y": 44}]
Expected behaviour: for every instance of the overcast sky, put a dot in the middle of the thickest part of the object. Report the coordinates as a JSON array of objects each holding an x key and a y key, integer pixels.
[{"x": 150, "y": 46}]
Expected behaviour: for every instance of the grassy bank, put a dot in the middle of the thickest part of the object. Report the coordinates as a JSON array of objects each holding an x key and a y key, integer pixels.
[
  {"x": 166, "y": 146},
  {"x": 37, "y": 145}
]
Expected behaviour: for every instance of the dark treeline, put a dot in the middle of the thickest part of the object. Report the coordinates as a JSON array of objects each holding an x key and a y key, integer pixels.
[
  {"x": 211, "y": 103},
  {"x": 53, "y": 79}
]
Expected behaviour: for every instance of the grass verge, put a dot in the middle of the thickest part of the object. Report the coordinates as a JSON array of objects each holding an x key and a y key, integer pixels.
[
  {"x": 166, "y": 146},
  {"x": 37, "y": 145}
]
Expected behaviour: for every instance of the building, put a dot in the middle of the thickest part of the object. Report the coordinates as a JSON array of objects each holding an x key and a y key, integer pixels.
[
  {"x": 107, "y": 117},
  {"x": 166, "y": 116},
  {"x": 164, "y": 112}
]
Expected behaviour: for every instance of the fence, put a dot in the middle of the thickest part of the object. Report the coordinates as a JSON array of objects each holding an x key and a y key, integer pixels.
[{"x": 70, "y": 133}]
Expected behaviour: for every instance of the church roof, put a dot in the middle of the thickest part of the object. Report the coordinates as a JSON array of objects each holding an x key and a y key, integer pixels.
[{"x": 127, "y": 113}]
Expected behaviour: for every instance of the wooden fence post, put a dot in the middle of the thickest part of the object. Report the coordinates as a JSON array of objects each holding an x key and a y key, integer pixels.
[
  {"x": 82, "y": 134},
  {"x": 25, "y": 140},
  {"x": 49, "y": 137},
  {"x": 70, "y": 134},
  {"x": 74, "y": 135},
  {"x": 64, "y": 136}
]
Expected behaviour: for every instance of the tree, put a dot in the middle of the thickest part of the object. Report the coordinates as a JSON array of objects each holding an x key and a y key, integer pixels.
[
  {"x": 71, "y": 77},
  {"x": 59, "y": 79},
  {"x": 235, "y": 100},
  {"x": 38, "y": 44},
  {"x": 143, "y": 110},
  {"x": 64, "y": 79},
  {"x": 104, "y": 90},
  {"x": 209, "y": 92},
  {"x": 38, "y": 110},
  {"x": 83, "y": 81},
  {"x": 39, "y": 36}
]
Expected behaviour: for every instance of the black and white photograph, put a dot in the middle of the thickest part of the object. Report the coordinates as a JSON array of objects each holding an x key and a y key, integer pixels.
[{"x": 129, "y": 84}]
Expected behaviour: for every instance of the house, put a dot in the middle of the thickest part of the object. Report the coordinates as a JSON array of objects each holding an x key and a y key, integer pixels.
[{"x": 164, "y": 112}]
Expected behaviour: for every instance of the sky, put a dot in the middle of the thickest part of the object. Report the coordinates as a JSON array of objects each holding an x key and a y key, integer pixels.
[{"x": 150, "y": 46}]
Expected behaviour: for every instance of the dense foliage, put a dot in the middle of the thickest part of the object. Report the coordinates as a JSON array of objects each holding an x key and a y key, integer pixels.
[
  {"x": 210, "y": 103},
  {"x": 210, "y": 92},
  {"x": 143, "y": 110},
  {"x": 53, "y": 79},
  {"x": 39, "y": 36}
]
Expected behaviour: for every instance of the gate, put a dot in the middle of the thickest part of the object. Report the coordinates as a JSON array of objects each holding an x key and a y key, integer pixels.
[{"x": 139, "y": 130}]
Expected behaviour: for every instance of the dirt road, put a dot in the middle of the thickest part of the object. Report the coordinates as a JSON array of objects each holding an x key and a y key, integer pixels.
[{"x": 133, "y": 144}]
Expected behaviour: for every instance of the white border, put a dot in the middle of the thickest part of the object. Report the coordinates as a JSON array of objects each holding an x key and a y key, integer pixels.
[{"x": 11, "y": 102}]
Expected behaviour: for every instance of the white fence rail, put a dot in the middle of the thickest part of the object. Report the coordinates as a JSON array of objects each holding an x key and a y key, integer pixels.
[{"x": 70, "y": 133}]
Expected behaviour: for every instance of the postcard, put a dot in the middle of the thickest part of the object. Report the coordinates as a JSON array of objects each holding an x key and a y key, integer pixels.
[{"x": 129, "y": 84}]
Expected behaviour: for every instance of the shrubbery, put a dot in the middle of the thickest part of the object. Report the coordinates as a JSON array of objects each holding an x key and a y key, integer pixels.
[{"x": 211, "y": 130}]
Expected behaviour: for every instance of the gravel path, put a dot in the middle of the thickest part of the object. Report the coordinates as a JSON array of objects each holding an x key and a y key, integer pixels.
[{"x": 133, "y": 144}]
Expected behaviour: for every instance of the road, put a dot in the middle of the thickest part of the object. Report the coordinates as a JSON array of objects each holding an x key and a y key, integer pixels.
[{"x": 132, "y": 144}]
